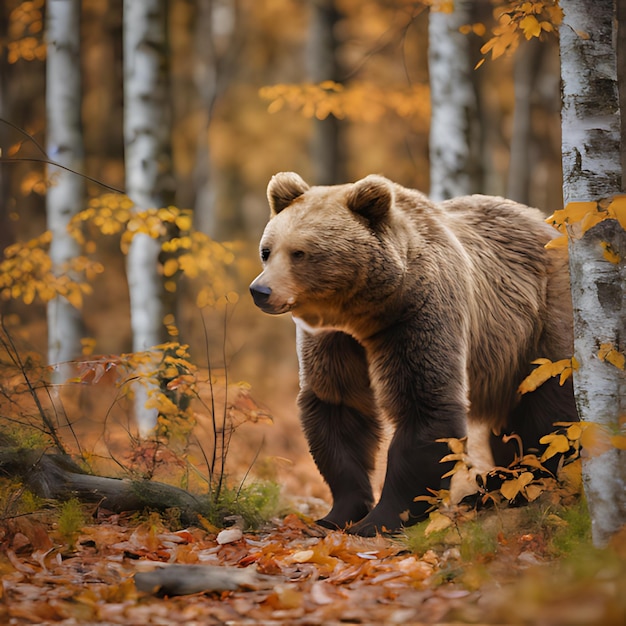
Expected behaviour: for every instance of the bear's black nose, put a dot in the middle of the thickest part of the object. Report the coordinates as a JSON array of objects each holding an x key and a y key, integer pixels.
[{"x": 260, "y": 294}]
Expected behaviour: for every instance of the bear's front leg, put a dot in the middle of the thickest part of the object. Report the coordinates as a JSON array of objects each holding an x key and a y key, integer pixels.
[
  {"x": 420, "y": 381},
  {"x": 413, "y": 468},
  {"x": 339, "y": 418}
]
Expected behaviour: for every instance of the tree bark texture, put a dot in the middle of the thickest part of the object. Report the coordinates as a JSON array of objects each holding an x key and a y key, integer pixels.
[
  {"x": 148, "y": 173},
  {"x": 592, "y": 172},
  {"x": 453, "y": 103},
  {"x": 147, "y": 155},
  {"x": 590, "y": 108},
  {"x": 66, "y": 196}
]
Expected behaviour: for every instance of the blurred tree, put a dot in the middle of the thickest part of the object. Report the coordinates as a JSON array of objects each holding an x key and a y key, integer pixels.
[
  {"x": 527, "y": 66},
  {"x": 217, "y": 40},
  {"x": 66, "y": 195},
  {"x": 327, "y": 142},
  {"x": 148, "y": 171},
  {"x": 592, "y": 176},
  {"x": 453, "y": 150},
  {"x": 5, "y": 231}
]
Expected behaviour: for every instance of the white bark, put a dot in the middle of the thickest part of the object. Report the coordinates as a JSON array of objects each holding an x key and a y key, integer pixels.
[
  {"x": 146, "y": 141},
  {"x": 453, "y": 103},
  {"x": 65, "y": 145},
  {"x": 591, "y": 172}
]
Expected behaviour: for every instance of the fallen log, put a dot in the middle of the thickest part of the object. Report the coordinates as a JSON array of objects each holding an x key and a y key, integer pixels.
[{"x": 56, "y": 476}]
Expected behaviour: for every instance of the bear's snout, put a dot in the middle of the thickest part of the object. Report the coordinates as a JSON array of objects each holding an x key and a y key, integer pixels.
[{"x": 261, "y": 295}]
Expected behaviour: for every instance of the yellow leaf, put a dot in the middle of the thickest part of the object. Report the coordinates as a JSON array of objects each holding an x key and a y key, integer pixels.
[
  {"x": 609, "y": 354},
  {"x": 571, "y": 474},
  {"x": 595, "y": 439},
  {"x": 510, "y": 489},
  {"x": 557, "y": 243},
  {"x": 574, "y": 432},
  {"x": 619, "y": 442},
  {"x": 530, "y": 26},
  {"x": 479, "y": 29},
  {"x": 573, "y": 212},
  {"x": 565, "y": 374},
  {"x": 75, "y": 298},
  {"x": 609, "y": 253},
  {"x": 525, "y": 479},
  {"x": 170, "y": 267},
  {"x": 545, "y": 371},
  {"x": 532, "y": 492},
  {"x": 557, "y": 444},
  {"x": 541, "y": 361},
  {"x": 437, "y": 522},
  {"x": 457, "y": 446},
  {"x": 617, "y": 209},
  {"x": 183, "y": 222}
]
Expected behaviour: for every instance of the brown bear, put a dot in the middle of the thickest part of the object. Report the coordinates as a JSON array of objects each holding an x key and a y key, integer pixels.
[{"x": 429, "y": 314}]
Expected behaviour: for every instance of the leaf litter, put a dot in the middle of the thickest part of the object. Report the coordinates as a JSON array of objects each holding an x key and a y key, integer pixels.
[{"x": 123, "y": 571}]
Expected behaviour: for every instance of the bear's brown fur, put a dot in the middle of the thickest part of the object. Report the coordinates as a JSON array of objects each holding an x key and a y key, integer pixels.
[{"x": 429, "y": 314}]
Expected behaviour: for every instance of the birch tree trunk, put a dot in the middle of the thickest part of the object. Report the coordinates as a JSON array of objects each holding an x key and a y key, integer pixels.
[
  {"x": 65, "y": 145},
  {"x": 591, "y": 172},
  {"x": 453, "y": 104},
  {"x": 148, "y": 171}
]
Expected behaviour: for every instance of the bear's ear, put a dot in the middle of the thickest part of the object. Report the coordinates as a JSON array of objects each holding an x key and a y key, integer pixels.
[
  {"x": 283, "y": 189},
  {"x": 371, "y": 197}
]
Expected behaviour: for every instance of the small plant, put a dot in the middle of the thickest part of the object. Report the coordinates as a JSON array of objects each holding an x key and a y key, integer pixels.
[
  {"x": 70, "y": 522},
  {"x": 571, "y": 529},
  {"x": 254, "y": 503}
]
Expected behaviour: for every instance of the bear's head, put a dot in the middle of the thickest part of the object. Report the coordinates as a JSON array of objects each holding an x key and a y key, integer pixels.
[{"x": 330, "y": 253}]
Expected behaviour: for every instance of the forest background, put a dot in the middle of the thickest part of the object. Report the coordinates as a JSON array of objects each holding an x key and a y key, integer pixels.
[
  {"x": 335, "y": 90},
  {"x": 241, "y": 106}
]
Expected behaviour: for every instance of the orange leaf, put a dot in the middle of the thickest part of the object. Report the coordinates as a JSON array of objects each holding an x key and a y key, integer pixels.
[
  {"x": 546, "y": 370},
  {"x": 531, "y": 27},
  {"x": 595, "y": 439},
  {"x": 611, "y": 355}
]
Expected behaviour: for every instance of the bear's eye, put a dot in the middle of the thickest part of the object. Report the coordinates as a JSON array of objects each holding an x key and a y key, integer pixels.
[
  {"x": 297, "y": 254},
  {"x": 265, "y": 254}
]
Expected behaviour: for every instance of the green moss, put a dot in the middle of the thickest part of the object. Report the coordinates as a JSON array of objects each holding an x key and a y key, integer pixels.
[
  {"x": 477, "y": 540},
  {"x": 419, "y": 542},
  {"x": 574, "y": 532}
]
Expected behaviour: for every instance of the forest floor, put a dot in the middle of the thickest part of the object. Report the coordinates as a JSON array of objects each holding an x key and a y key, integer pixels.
[
  {"x": 298, "y": 574},
  {"x": 529, "y": 565}
]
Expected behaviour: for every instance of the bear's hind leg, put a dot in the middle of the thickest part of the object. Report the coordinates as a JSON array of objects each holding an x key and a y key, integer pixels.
[
  {"x": 538, "y": 411},
  {"x": 339, "y": 417}
]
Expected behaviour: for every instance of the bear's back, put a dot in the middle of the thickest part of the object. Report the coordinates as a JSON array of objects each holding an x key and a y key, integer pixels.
[{"x": 513, "y": 279}]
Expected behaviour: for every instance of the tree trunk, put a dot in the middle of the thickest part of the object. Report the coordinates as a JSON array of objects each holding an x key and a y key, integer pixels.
[
  {"x": 527, "y": 64},
  {"x": 326, "y": 154},
  {"x": 148, "y": 172},
  {"x": 453, "y": 103},
  {"x": 65, "y": 197},
  {"x": 592, "y": 172}
]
